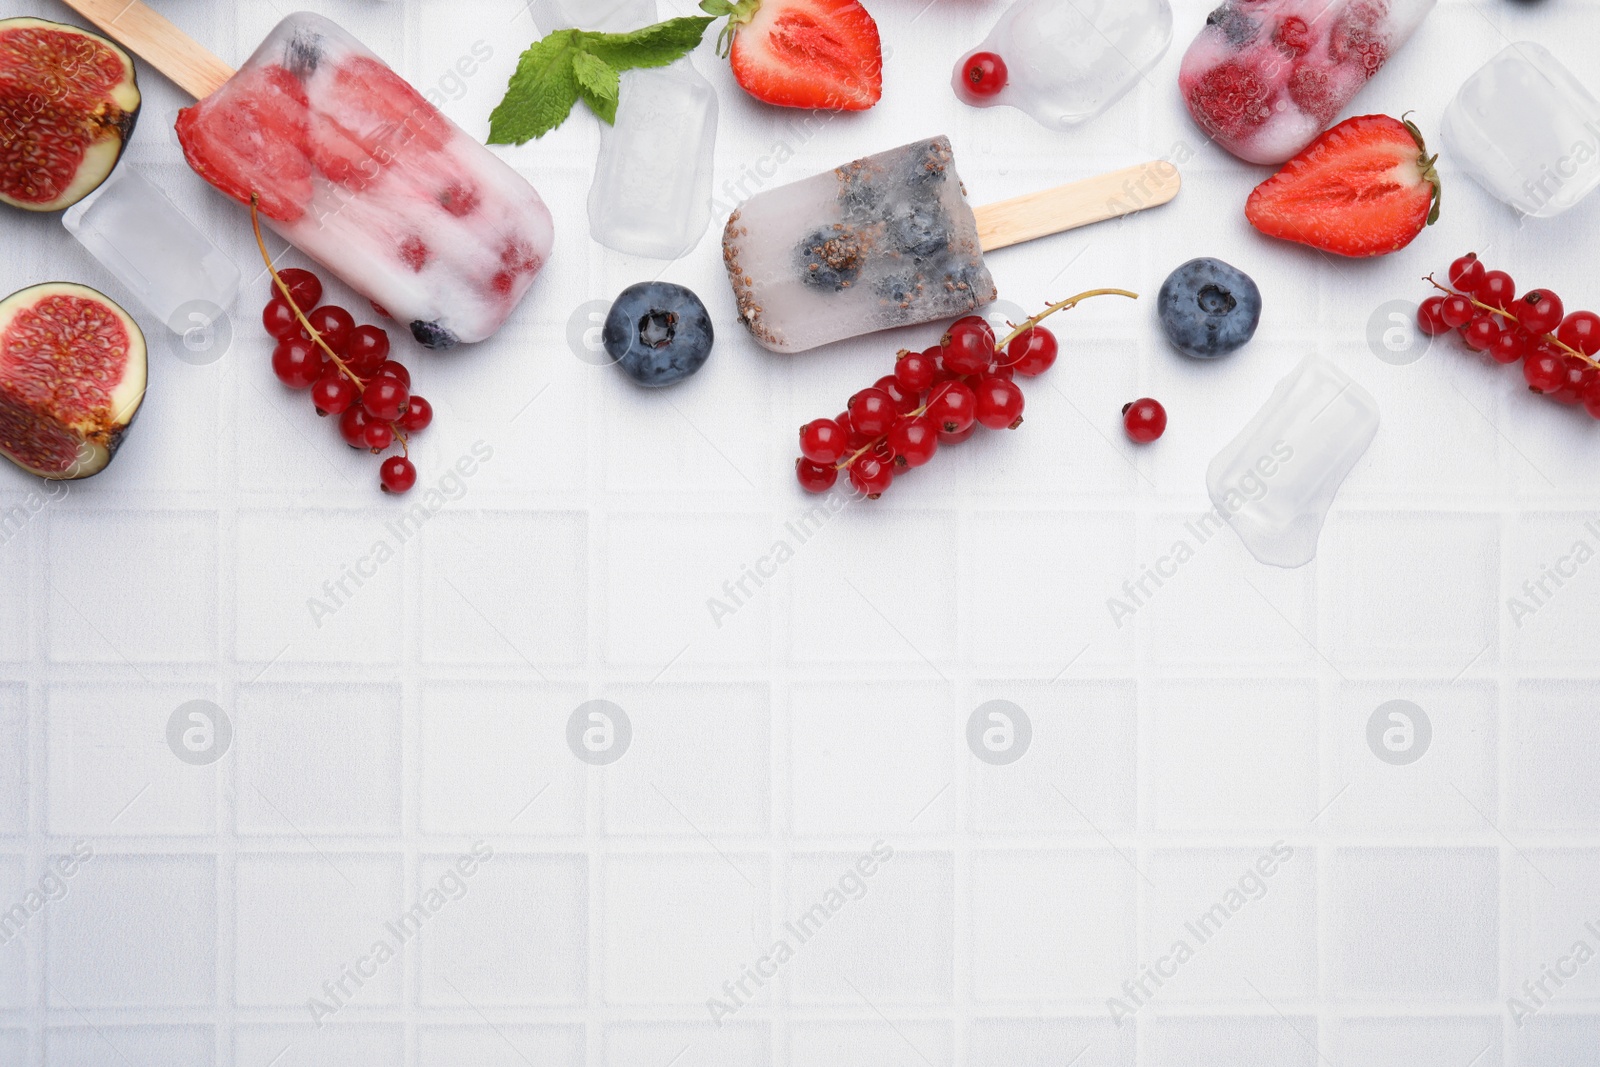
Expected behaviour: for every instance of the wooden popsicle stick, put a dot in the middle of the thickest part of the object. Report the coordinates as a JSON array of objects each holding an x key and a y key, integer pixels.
[
  {"x": 158, "y": 42},
  {"x": 1011, "y": 222}
]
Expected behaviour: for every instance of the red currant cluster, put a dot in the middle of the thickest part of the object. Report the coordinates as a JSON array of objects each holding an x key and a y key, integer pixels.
[
  {"x": 347, "y": 368},
  {"x": 940, "y": 396},
  {"x": 1557, "y": 350}
]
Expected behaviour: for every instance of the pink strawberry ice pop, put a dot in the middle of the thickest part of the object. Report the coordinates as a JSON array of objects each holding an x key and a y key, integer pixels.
[
  {"x": 351, "y": 165},
  {"x": 1266, "y": 76}
]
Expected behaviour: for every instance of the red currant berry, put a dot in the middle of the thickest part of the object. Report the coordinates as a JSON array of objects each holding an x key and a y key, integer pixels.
[
  {"x": 970, "y": 324},
  {"x": 967, "y": 352},
  {"x": 1545, "y": 370},
  {"x": 353, "y": 426},
  {"x": 335, "y": 324},
  {"x": 304, "y": 287},
  {"x": 872, "y": 412},
  {"x": 1456, "y": 311},
  {"x": 915, "y": 372},
  {"x": 390, "y": 369},
  {"x": 1481, "y": 333},
  {"x": 957, "y": 438},
  {"x": 856, "y": 437},
  {"x": 418, "y": 417},
  {"x": 297, "y": 363},
  {"x": 386, "y": 399},
  {"x": 1466, "y": 273},
  {"x": 376, "y": 436},
  {"x": 953, "y": 407},
  {"x": 824, "y": 441},
  {"x": 999, "y": 404},
  {"x": 1510, "y": 346},
  {"x": 871, "y": 476},
  {"x": 914, "y": 441},
  {"x": 1539, "y": 311},
  {"x": 334, "y": 393},
  {"x": 1428, "y": 316},
  {"x": 397, "y": 474},
  {"x": 1033, "y": 351},
  {"x": 815, "y": 477},
  {"x": 1581, "y": 330},
  {"x": 279, "y": 320},
  {"x": 367, "y": 349},
  {"x": 1497, "y": 290},
  {"x": 984, "y": 75},
  {"x": 905, "y": 401},
  {"x": 1145, "y": 420},
  {"x": 1575, "y": 376}
]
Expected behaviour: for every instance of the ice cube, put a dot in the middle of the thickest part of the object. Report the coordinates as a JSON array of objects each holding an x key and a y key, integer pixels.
[
  {"x": 882, "y": 242},
  {"x": 1068, "y": 61},
  {"x": 1264, "y": 77},
  {"x": 151, "y": 247},
  {"x": 607, "y": 16},
  {"x": 1527, "y": 130},
  {"x": 652, "y": 185},
  {"x": 1276, "y": 481}
]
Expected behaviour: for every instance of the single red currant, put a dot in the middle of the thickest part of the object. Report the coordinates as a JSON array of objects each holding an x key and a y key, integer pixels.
[
  {"x": 397, "y": 474},
  {"x": 1032, "y": 352},
  {"x": 985, "y": 75},
  {"x": 386, "y": 399},
  {"x": 871, "y": 476},
  {"x": 279, "y": 320},
  {"x": 1581, "y": 330},
  {"x": 824, "y": 441},
  {"x": 1429, "y": 318},
  {"x": 353, "y": 426},
  {"x": 390, "y": 369},
  {"x": 418, "y": 417},
  {"x": 872, "y": 412},
  {"x": 305, "y": 287},
  {"x": 1000, "y": 404},
  {"x": 1145, "y": 420},
  {"x": 957, "y": 438},
  {"x": 1466, "y": 273},
  {"x": 905, "y": 400},
  {"x": 952, "y": 406},
  {"x": 914, "y": 441},
  {"x": 1456, "y": 311},
  {"x": 376, "y": 436},
  {"x": 1575, "y": 377},
  {"x": 1497, "y": 290},
  {"x": 1545, "y": 370},
  {"x": 334, "y": 393},
  {"x": 967, "y": 352},
  {"x": 1510, "y": 346},
  {"x": 297, "y": 363},
  {"x": 1481, "y": 333},
  {"x": 367, "y": 349},
  {"x": 915, "y": 372},
  {"x": 815, "y": 477},
  {"x": 335, "y": 324},
  {"x": 1539, "y": 311}
]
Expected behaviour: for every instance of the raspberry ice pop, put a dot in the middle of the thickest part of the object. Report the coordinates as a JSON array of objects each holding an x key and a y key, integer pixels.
[
  {"x": 1264, "y": 77},
  {"x": 890, "y": 241},
  {"x": 355, "y": 168}
]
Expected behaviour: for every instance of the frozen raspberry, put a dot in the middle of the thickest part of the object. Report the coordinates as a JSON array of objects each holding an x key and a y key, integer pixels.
[
  {"x": 1309, "y": 88},
  {"x": 414, "y": 254},
  {"x": 1230, "y": 100},
  {"x": 1293, "y": 35}
]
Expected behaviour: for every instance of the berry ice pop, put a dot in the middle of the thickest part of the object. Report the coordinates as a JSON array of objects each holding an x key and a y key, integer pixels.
[
  {"x": 890, "y": 240},
  {"x": 1264, "y": 77}
]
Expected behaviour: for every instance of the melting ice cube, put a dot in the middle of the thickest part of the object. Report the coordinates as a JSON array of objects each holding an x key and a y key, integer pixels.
[{"x": 1276, "y": 481}]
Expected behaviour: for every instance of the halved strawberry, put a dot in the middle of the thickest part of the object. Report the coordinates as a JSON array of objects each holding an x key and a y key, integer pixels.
[
  {"x": 1367, "y": 187},
  {"x": 258, "y": 126},
  {"x": 822, "y": 54}
]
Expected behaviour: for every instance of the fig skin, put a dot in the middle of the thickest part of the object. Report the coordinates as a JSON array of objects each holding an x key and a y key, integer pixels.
[
  {"x": 111, "y": 119},
  {"x": 98, "y": 433}
]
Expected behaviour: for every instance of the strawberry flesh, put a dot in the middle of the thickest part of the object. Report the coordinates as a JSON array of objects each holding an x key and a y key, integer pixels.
[
  {"x": 822, "y": 54},
  {"x": 258, "y": 127},
  {"x": 1367, "y": 187}
]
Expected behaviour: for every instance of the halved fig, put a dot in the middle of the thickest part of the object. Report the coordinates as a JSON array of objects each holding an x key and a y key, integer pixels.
[
  {"x": 72, "y": 377},
  {"x": 69, "y": 100}
]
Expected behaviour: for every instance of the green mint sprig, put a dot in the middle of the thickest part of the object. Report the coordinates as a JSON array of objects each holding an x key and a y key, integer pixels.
[{"x": 569, "y": 65}]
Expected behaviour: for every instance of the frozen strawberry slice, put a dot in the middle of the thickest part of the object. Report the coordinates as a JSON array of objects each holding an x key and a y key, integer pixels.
[
  {"x": 338, "y": 157},
  {"x": 381, "y": 112},
  {"x": 256, "y": 125}
]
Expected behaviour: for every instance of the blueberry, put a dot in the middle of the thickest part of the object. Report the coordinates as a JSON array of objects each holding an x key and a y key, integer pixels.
[
  {"x": 432, "y": 335},
  {"x": 1208, "y": 308},
  {"x": 832, "y": 258},
  {"x": 1239, "y": 28},
  {"x": 658, "y": 332},
  {"x": 919, "y": 230}
]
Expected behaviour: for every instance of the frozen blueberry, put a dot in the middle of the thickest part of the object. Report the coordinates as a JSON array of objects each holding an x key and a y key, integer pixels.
[
  {"x": 919, "y": 230},
  {"x": 1209, "y": 308},
  {"x": 432, "y": 335},
  {"x": 1239, "y": 28},
  {"x": 832, "y": 258},
  {"x": 658, "y": 332}
]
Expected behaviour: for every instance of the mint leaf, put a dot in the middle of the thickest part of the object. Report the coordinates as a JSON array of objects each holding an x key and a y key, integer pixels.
[
  {"x": 654, "y": 46},
  {"x": 600, "y": 85},
  {"x": 541, "y": 92},
  {"x": 569, "y": 65}
]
